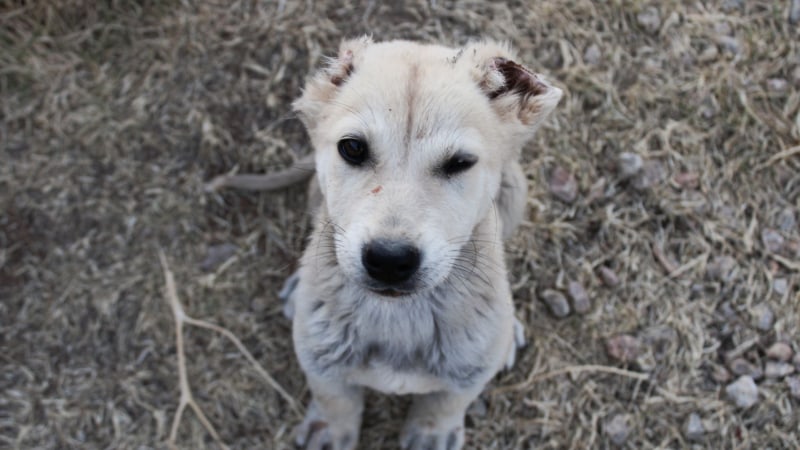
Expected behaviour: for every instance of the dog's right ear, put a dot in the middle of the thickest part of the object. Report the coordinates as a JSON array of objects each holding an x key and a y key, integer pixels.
[
  {"x": 323, "y": 86},
  {"x": 515, "y": 92}
]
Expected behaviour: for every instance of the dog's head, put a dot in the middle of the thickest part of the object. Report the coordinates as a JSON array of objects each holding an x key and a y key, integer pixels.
[{"x": 410, "y": 142}]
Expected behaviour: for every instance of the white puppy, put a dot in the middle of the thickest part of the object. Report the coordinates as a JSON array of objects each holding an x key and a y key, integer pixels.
[{"x": 403, "y": 286}]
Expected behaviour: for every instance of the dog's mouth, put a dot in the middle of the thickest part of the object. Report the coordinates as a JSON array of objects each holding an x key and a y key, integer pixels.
[{"x": 389, "y": 292}]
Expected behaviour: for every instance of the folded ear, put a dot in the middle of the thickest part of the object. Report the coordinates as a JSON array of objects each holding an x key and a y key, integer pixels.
[
  {"x": 515, "y": 92},
  {"x": 323, "y": 85}
]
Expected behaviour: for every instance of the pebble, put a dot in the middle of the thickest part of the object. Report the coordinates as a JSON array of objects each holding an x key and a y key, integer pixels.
[
  {"x": 794, "y": 12},
  {"x": 777, "y": 84},
  {"x": 780, "y": 351},
  {"x": 772, "y": 240},
  {"x": 741, "y": 366},
  {"x": 563, "y": 185},
  {"x": 623, "y": 347},
  {"x": 687, "y": 180},
  {"x": 592, "y": 55},
  {"x": 720, "y": 374},
  {"x": 786, "y": 219},
  {"x": 764, "y": 317},
  {"x": 651, "y": 174},
  {"x": 609, "y": 277},
  {"x": 796, "y": 360},
  {"x": 579, "y": 296},
  {"x": 780, "y": 286},
  {"x": 649, "y": 19},
  {"x": 478, "y": 408},
  {"x": 794, "y": 386},
  {"x": 693, "y": 428},
  {"x": 729, "y": 44},
  {"x": 617, "y": 429},
  {"x": 721, "y": 268},
  {"x": 557, "y": 303},
  {"x": 216, "y": 255},
  {"x": 743, "y": 392},
  {"x": 629, "y": 164},
  {"x": 778, "y": 369}
]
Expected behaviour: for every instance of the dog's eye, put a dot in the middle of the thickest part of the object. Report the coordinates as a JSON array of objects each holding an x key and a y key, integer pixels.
[
  {"x": 460, "y": 162},
  {"x": 354, "y": 151}
]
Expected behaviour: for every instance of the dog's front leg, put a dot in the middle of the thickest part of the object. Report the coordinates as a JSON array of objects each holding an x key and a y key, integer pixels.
[
  {"x": 333, "y": 419},
  {"x": 436, "y": 420}
]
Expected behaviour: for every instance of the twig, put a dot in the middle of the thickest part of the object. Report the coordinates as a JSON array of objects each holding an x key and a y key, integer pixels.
[
  {"x": 187, "y": 398},
  {"x": 535, "y": 378}
]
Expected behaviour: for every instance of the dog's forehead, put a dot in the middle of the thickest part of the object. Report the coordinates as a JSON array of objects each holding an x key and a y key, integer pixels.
[{"x": 413, "y": 93}]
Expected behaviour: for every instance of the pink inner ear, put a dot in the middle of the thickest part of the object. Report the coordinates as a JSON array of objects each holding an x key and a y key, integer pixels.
[
  {"x": 343, "y": 68},
  {"x": 517, "y": 78}
]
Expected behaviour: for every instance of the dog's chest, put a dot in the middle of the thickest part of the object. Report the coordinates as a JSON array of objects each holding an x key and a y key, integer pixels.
[{"x": 402, "y": 348}]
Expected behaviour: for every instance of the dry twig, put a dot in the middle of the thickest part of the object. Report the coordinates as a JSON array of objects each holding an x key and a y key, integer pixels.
[{"x": 187, "y": 399}]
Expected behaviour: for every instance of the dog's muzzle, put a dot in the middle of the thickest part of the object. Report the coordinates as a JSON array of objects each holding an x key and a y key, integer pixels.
[{"x": 390, "y": 263}]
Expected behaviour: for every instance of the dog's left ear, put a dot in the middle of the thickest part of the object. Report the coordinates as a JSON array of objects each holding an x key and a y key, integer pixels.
[{"x": 515, "y": 92}]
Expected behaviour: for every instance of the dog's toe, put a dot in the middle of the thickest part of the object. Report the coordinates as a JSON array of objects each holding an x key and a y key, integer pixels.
[
  {"x": 519, "y": 343},
  {"x": 425, "y": 438},
  {"x": 519, "y": 334}
]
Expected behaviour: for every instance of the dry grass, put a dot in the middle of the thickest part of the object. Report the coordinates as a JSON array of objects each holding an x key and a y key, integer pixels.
[{"x": 113, "y": 115}]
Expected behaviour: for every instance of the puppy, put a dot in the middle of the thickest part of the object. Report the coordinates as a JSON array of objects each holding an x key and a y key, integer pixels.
[{"x": 403, "y": 286}]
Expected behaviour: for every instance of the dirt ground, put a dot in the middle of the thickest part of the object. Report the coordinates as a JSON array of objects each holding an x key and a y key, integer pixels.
[{"x": 667, "y": 186}]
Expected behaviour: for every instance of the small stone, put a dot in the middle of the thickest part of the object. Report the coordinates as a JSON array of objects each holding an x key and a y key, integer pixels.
[
  {"x": 259, "y": 304},
  {"x": 592, "y": 55},
  {"x": 794, "y": 12},
  {"x": 764, "y": 317},
  {"x": 780, "y": 285},
  {"x": 780, "y": 351},
  {"x": 772, "y": 240},
  {"x": 609, "y": 277},
  {"x": 617, "y": 429},
  {"x": 597, "y": 190},
  {"x": 778, "y": 369},
  {"x": 796, "y": 361},
  {"x": 557, "y": 303},
  {"x": 693, "y": 428},
  {"x": 563, "y": 185},
  {"x": 720, "y": 374},
  {"x": 741, "y": 366},
  {"x": 721, "y": 268},
  {"x": 649, "y": 19},
  {"x": 794, "y": 386},
  {"x": 686, "y": 180},
  {"x": 478, "y": 408},
  {"x": 730, "y": 5},
  {"x": 623, "y": 347},
  {"x": 710, "y": 53},
  {"x": 216, "y": 255},
  {"x": 743, "y": 392},
  {"x": 786, "y": 219},
  {"x": 652, "y": 174},
  {"x": 723, "y": 28},
  {"x": 730, "y": 44},
  {"x": 629, "y": 164},
  {"x": 777, "y": 84},
  {"x": 579, "y": 296}
]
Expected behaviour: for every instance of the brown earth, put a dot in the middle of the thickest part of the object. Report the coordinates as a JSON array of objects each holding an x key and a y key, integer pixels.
[{"x": 113, "y": 114}]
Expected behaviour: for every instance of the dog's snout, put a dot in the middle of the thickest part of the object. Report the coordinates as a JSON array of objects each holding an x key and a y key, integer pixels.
[{"x": 390, "y": 261}]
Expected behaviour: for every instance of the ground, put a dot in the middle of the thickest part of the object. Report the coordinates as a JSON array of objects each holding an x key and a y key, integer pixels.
[{"x": 667, "y": 185}]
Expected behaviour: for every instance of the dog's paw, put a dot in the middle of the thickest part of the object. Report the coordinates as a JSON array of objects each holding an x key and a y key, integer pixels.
[
  {"x": 285, "y": 294},
  {"x": 420, "y": 436},
  {"x": 519, "y": 343},
  {"x": 315, "y": 433}
]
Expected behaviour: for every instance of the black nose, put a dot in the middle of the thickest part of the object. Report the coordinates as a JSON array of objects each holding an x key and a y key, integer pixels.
[{"x": 390, "y": 261}]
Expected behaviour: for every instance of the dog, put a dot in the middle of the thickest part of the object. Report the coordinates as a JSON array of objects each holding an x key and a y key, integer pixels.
[{"x": 403, "y": 286}]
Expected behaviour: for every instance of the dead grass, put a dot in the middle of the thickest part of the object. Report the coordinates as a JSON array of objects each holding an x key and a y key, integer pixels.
[{"x": 114, "y": 114}]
